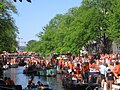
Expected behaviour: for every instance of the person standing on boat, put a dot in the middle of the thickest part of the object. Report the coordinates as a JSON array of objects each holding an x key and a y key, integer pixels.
[
  {"x": 110, "y": 78},
  {"x": 31, "y": 84},
  {"x": 102, "y": 69},
  {"x": 94, "y": 72},
  {"x": 4, "y": 59},
  {"x": 85, "y": 72}
]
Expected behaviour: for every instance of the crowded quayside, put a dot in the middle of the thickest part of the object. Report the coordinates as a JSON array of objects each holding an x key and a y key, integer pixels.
[{"x": 78, "y": 72}]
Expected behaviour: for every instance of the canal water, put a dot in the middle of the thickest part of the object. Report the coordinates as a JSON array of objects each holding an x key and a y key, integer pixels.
[{"x": 21, "y": 79}]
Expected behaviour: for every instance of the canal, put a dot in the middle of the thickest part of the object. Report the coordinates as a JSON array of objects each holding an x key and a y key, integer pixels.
[{"x": 21, "y": 79}]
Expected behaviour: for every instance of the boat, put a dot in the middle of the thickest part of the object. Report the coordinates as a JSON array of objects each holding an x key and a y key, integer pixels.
[
  {"x": 51, "y": 72},
  {"x": 41, "y": 72},
  {"x": 40, "y": 88},
  {"x": 5, "y": 67},
  {"x": 22, "y": 63},
  {"x": 47, "y": 72},
  {"x": 70, "y": 84},
  {"x": 29, "y": 72},
  {"x": 10, "y": 87},
  {"x": 36, "y": 87},
  {"x": 13, "y": 65}
]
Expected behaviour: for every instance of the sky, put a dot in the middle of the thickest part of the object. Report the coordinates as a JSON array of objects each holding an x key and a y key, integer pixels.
[{"x": 32, "y": 17}]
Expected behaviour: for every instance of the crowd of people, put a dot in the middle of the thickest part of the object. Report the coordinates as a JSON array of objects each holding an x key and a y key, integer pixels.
[
  {"x": 84, "y": 69},
  {"x": 5, "y": 80},
  {"x": 89, "y": 69}
]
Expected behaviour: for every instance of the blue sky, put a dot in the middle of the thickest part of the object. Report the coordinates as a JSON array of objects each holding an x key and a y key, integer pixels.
[{"x": 33, "y": 16}]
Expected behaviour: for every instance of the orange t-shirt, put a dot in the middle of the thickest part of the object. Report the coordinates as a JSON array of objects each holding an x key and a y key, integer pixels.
[
  {"x": 71, "y": 66},
  {"x": 93, "y": 66},
  {"x": 117, "y": 69}
]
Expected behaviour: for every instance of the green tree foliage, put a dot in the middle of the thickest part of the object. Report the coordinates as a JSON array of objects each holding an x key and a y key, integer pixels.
[
  {"x": 30, "y": 45},
  {"x": 8, "y": 29},
  {"x": 21, "y": 0},
  {"x": 98, "y": 22},
  {"x": 94, "y": 20},
  {"x": 114, "y": 25}
]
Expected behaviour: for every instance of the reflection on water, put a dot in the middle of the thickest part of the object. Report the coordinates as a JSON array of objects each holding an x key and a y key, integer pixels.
[{"x": 20, "y": 79}]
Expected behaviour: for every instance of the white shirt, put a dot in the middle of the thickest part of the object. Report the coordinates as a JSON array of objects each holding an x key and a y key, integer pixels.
[{"x": 102, "y": 69}]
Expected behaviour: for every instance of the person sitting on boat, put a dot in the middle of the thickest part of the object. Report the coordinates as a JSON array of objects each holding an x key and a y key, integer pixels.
[
  {"x": 31, "y": 84},
  {"x": 38, "y": 66},
  {"x": 50, "y": 65},
  {"x": 5, "y": 78},
  {"x": 9, "y": 81},
  {"x": 79, "y": 77},
  {"x": 39, "y": 83},
  {"x": 74, "y": 78}
]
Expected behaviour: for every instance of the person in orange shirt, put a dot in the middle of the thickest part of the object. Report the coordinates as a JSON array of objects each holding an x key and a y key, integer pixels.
[
  {"x": 79, "y": 78},
  {"x": 94, "y": 65},
  {"x": 85, "y": 72},
  {"x": 116, "y": 70},
  {"x": 71, "y": 65}
]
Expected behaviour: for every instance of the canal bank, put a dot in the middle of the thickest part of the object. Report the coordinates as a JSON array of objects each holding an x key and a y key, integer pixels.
[{"x": 21, "y": 79}]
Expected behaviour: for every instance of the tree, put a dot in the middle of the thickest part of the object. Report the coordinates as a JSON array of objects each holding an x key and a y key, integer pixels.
[
  {"x": 114, "y": 25},
  {"x": 99, "y": 11},
  {"x": 30, "y": 45},
  {"x": 21, "y": 1},
  {"x": 94, "y": 20},
  {"x": 8, "y": 28}
]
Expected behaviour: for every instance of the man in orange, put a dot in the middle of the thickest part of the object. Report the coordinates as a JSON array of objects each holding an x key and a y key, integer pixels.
[
  {"x": 85, "y": 72},
  {"x": 117, "y": 69}
]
